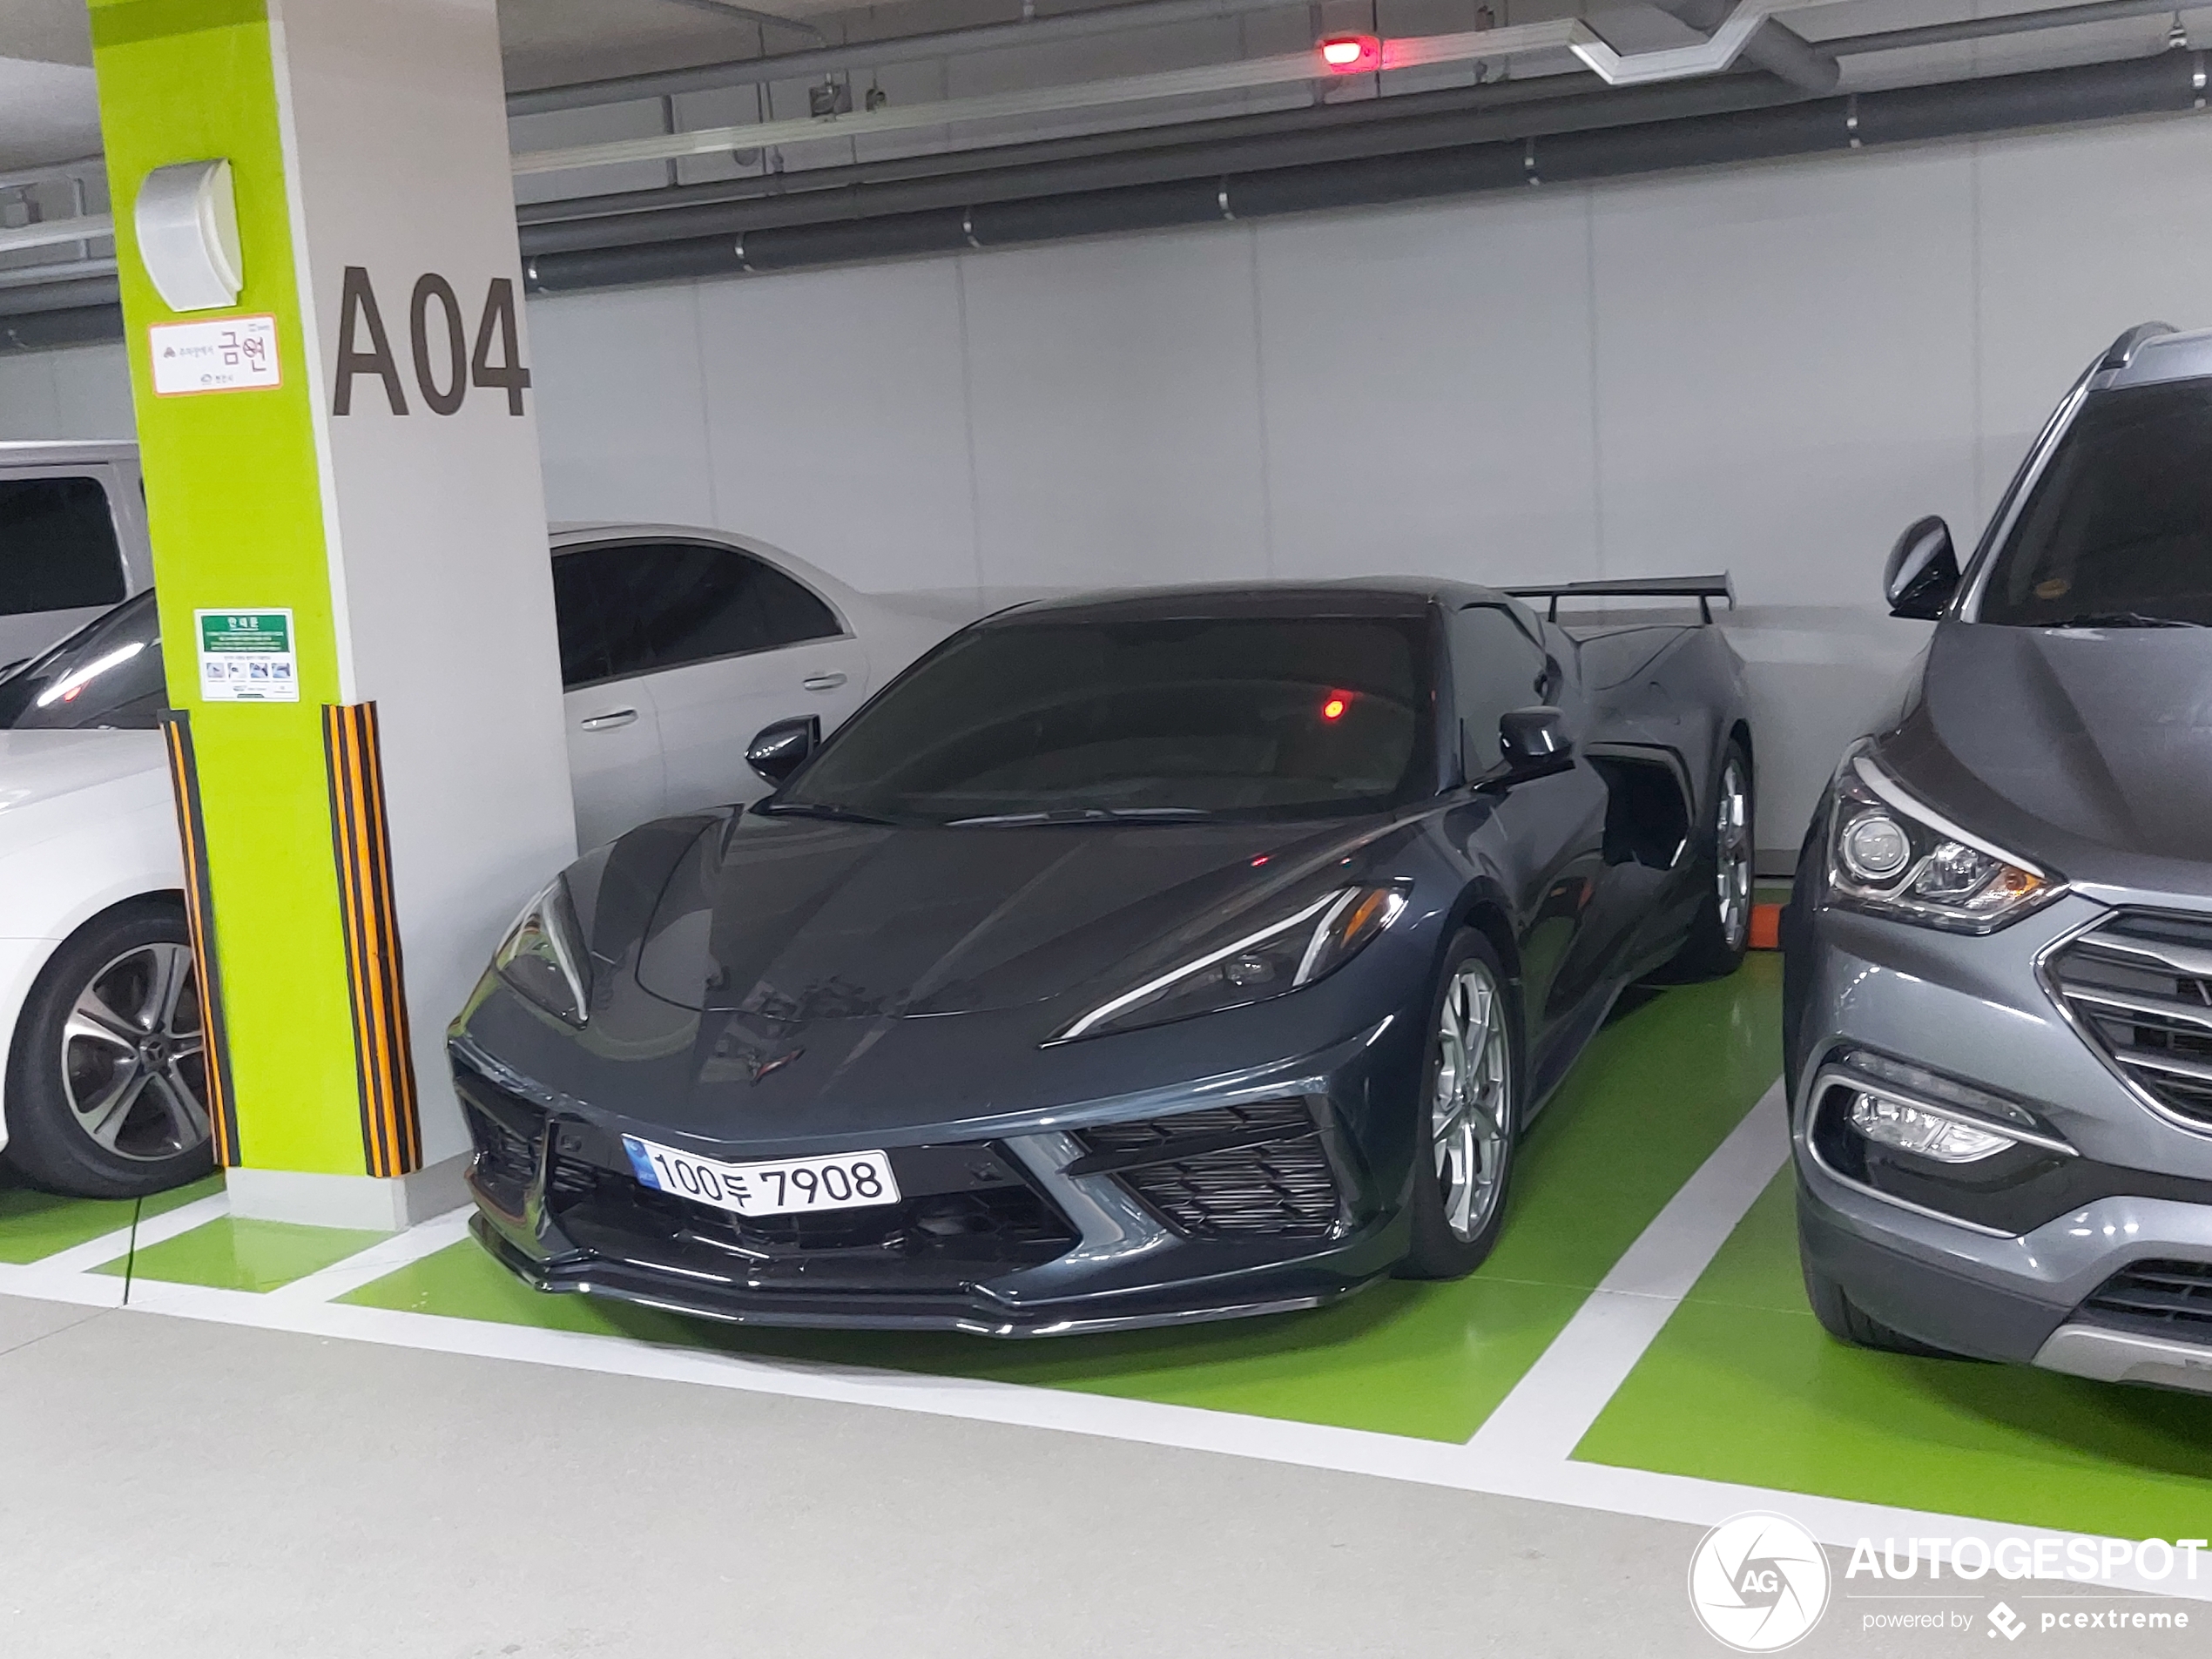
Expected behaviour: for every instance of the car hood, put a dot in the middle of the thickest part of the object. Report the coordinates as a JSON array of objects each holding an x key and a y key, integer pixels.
[
  {"x": 2088, "y": 750},
  {"x": 800, "y": 920}
]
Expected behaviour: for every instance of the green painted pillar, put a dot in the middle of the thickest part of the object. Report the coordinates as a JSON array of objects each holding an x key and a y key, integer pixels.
[{"x": 349, "y": 543}]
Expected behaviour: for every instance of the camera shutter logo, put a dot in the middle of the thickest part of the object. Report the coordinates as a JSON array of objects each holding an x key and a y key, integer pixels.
[{"x": 1759, "y": 1583}]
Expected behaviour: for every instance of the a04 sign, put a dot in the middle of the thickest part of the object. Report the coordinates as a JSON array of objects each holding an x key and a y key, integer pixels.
[{"x": 446, "y": 365}]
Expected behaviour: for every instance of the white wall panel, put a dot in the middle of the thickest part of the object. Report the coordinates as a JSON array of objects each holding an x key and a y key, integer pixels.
[
  {"x": 838, "y": 422},
  {"x": 81, "y": 393},
  {"x": 1116, "y": 404},
  {"x": 622, "y": 406},
  {"x": 1786, "y": 362},
  {"x": 1426, "y": 377}
]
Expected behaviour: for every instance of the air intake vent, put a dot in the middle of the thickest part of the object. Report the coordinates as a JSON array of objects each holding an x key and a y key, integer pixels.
[
  {"x": 2141, "y": 987},
  {"x": 506, "y": 1131},
  {"x": 2162, "y": 1299},
  {"x": 1233, "y": 1172}
]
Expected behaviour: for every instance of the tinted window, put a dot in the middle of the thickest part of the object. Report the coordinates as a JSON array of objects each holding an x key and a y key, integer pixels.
[
  {"x": 57, "y": 550},
  {"x": 1234, "y": 716},
  {"x": 575, "y": 610},
  {"x": 107, "y": 673},
  {"x": 660, "y": 605},
  {"x": 1495, "y": 667},
  {"x": 2119, "y": 525}
]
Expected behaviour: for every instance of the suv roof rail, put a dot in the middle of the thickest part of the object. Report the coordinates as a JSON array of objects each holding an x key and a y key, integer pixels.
[
  {"x": 1703, "y": 589},
  {"x": 2118, "y": 354}
]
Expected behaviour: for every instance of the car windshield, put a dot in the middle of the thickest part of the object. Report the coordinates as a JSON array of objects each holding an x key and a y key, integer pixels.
[
  {"x": 2118, "y": 530},
  {"x": 1101, "y": 721},
  {"x": 108, "y": 673}
]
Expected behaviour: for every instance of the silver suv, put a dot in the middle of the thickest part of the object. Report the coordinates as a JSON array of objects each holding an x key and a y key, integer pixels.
[
  {"x": 73, "y": 539},
  {"x": 1998, "y": 990}
]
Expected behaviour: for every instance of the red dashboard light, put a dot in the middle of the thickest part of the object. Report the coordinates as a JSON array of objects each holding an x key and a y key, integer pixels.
[
  {"x": 1351, "y": 54},
  {"x": 1334, "y": 708}
]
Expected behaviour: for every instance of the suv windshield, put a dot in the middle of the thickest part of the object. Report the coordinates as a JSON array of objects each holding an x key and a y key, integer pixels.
[
  {"x": 2118, "y": 530},
  {"x": 1105, "y": 720},
  {"x": 108, "y": 673}
]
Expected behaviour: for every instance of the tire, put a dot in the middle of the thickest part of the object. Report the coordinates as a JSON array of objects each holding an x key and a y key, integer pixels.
[
  {"x": 1844, "y": 1319},
  {"x": 107, "y": 1081},
  {"x": 1722, "y": 931},
  {"x": 1462, "y": 1175}
]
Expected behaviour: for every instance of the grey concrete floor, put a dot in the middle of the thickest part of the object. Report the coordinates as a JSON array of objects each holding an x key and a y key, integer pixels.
[{"x": 184, "y": 1490}]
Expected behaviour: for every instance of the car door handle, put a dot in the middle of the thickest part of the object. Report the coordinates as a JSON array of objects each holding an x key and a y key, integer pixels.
[
  {"x": 609, "y": 722},
  {"x": 823, "y": 682}
]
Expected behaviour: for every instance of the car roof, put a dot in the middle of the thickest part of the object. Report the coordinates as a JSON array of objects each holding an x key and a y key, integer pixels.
[
  {"x": 46, "y": 452},
  {"x": 1369, "y": 597},
  {"x": 2154, "y": 353}
]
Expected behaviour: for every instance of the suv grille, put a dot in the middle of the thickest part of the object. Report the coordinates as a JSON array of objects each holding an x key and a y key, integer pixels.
[
  {"x": 2142, "y": 985},
  {"x": 2165, "y": 1298},
  {"x": 1230, "y": 1172}
]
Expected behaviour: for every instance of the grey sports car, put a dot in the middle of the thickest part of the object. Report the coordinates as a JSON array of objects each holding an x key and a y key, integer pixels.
[
  {"x": 1998, "y": 977},
  {"x": 1130, "y": 961}
]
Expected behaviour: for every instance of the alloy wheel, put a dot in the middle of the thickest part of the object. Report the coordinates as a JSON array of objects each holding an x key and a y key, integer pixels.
[
  {"x": 1467, "y": 1114},
  {"x": 1732, "y": 855},
  {"x": 134, "y": 1055}
]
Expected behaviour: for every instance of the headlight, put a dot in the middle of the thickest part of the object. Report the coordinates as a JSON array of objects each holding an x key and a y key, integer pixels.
[
  {"x": 543, "y": 957},
  {"x": 1270, "y": 961},
  {"x": 1893, "y": 856}
]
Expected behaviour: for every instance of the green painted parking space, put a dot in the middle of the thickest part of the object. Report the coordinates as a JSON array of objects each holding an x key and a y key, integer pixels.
[
  {"x": 35, "y": 1224},
  {"x": 231, "y": 1254},
  {"x": 1659, "y": 1089},
  {"x": 1743, "y": 1386}
]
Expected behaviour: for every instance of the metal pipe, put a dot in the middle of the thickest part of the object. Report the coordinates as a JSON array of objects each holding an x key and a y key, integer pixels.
[
  {"x": 814, "y": 62},
  {"x": 2016, "y": 23},
  {"x": 861, "y": 192},
  {"x": 1776, "y": 47},
  {"x": 2166, "y": 82}
]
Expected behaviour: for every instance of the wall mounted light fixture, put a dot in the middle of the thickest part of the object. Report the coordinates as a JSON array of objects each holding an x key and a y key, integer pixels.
[{"x": 187, "y": 217}]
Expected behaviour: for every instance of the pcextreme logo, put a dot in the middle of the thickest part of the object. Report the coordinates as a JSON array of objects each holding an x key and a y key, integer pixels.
[{"x": 1758, "y": 1583}]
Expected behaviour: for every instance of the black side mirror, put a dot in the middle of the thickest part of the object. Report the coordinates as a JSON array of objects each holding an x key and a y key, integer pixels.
[
  {"x": 1535, "y": 741},
  {"x": 1922, "y": 576},
  {"x": 777, "y": 751}
]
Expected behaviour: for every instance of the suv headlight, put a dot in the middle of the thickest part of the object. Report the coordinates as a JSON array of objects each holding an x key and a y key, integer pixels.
[
  {"x": 1893, "y": 856},
  {"x": 1301, "y": 948},
  {"x": 543, "y": 958}
]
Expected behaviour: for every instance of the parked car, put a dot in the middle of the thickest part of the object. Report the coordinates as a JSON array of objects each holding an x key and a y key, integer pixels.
[
  {"x": 1138, "y": 960},
  {"x": 1999, "y": 951},
  {"x": 675, "y": 643},
  {"x": 72, "y": 540}
]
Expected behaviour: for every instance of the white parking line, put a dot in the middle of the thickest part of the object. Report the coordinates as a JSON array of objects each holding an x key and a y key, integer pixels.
[
  {"x": 400, "y": 1250},
  {"x": 151, "y": 1229},
  {"x": 1552, "y": 1407}
]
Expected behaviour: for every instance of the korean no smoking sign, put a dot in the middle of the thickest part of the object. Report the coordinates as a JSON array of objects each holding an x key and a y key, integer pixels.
[
  {"x": 232, "y": 355},
  {"x": 246, "y": 657}
]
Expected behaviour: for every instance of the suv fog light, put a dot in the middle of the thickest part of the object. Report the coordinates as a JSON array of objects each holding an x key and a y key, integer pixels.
[
  {"x": 1908, "y": 1128},
  {"x": 1875, "y": 848}
]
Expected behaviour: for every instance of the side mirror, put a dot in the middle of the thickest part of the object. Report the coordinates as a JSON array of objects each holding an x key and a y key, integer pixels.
[
  {"x": 1535, "y": 741},
  {"x": 777, "y": 751},
  {"x": 1922, "y": 576}
]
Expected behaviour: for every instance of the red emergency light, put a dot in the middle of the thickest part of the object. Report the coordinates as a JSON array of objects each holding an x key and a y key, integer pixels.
[{"x": 1351, "y": 54}]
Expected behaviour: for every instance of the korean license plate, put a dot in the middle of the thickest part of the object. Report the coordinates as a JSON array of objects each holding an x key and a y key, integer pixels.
[{"x": 781, "y": 1187}]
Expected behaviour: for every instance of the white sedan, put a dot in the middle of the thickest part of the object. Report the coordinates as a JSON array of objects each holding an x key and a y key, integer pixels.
[{"x": 677, "y": 645}]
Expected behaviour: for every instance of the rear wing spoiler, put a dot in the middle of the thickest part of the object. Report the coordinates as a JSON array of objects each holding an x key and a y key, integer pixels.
[{"x": 1703, "y": 589}]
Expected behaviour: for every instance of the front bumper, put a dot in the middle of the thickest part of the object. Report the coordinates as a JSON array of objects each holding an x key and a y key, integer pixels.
[
  {"x": 2041, "y": 1265},
  {"x": 1221, "y": 1200}
]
